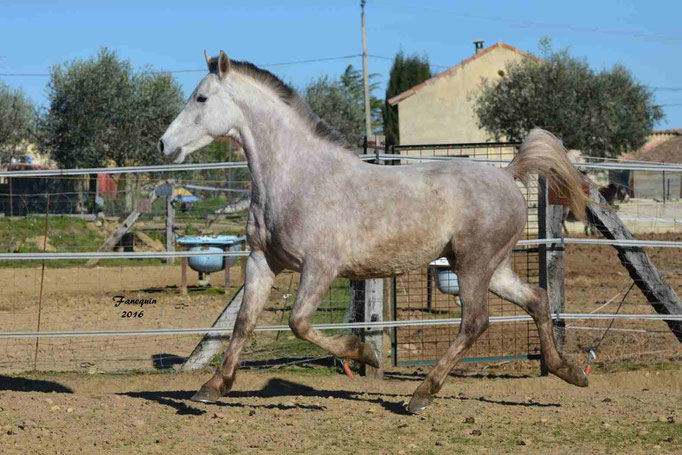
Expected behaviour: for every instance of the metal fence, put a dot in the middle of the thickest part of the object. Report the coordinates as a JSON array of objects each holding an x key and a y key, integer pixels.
[{"x": 58, "y": 314}]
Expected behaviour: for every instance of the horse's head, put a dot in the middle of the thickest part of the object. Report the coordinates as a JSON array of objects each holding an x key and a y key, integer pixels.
[{"x": 210, "y": 112}]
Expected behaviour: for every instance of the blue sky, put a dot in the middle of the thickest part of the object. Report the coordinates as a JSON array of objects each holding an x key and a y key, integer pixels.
[{"x": 34, "y": 35}]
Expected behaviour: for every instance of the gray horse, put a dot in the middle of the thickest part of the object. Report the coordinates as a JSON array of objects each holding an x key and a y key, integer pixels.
[{"x": 314, "y": 210}]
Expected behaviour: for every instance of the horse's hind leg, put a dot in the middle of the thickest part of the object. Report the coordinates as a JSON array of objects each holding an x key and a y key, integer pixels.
[
  {"x": 474, "y": 295},
  {"x": 315, "y": 280},
  {"x": 260, "y": 274},
  {"x": 533, "y": 299}
]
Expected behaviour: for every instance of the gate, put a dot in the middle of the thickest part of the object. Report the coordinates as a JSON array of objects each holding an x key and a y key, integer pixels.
[{"x": 415, "y": 294}]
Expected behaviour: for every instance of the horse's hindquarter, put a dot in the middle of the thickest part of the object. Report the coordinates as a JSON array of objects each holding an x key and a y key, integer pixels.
[{"x": 407, "y": 216}]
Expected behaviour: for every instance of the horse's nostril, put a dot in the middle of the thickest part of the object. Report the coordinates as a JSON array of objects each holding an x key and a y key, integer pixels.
[{"x": 160, "y": 145}]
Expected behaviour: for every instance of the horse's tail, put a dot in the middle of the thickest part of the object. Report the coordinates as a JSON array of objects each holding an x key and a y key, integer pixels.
[{"x": 542, "y": 153}]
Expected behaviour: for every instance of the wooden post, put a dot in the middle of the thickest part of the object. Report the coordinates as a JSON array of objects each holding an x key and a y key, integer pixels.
[
  {"x": 183, "y": 276},
  {"x": 551, "y": 261},
  {"x": 555, "y": 272},
  {"x": 374, "y": 312},
  {"x": 227, "y": 270},
  {"x": 645, "y": 275},
  {"x": 127, "y": 224},
  {"x": 170, "y": 220},
  {"x": 211, "y": 343}
]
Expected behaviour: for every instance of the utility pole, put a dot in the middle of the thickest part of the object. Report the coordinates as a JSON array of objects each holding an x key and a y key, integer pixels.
[{"x": 365, "y": 75}]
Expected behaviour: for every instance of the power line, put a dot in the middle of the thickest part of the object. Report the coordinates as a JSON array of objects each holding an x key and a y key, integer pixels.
[
  {"x": 668, "y": 39},
  {"x": 262, "y": 65},
  {"x": 203, "y": 70}
]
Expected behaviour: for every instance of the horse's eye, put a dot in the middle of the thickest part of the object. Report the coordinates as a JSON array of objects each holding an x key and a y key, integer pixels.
[{"x": 201, "y": 98}]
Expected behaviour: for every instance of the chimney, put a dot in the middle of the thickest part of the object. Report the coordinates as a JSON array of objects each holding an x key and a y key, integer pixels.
[{"x": 478, "y": 45}]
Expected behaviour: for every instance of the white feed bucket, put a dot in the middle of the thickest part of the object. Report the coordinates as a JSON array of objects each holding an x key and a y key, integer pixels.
[{"x": 448, "y": 283}]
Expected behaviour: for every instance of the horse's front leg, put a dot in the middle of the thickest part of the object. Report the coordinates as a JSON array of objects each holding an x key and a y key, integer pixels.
[
  {"x": 260, "y": 274},
  {"x": 315, "y": 280}
]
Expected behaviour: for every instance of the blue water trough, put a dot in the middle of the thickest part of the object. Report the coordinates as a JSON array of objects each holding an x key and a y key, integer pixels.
[{"x": 204, "y": 264}]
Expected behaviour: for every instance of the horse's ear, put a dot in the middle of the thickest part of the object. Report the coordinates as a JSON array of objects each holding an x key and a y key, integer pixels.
[
  {"x": 208, "y": 59},
  {"x": 223, "y": 64}
]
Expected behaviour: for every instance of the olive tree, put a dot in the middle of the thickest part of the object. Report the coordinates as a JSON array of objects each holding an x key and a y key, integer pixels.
[
  {"x": 16, "y": 123},
  {"x": 603, "y": 114}
]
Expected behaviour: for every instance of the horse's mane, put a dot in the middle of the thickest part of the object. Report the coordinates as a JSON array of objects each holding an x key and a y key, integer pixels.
[{"x": 290, "y": 97}]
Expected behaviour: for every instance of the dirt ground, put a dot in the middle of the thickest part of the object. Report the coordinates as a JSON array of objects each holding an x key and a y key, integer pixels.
[{"x": 318, "y": 411}]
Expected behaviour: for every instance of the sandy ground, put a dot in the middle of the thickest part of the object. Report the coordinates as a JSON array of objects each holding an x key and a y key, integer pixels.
[{"x": 312, "y": 412}]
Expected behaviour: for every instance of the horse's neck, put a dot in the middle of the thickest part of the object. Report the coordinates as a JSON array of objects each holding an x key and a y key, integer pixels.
[{"x": 281, "y": 149}]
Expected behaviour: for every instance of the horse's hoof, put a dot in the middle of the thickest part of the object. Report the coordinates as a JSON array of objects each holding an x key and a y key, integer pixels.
[
  {"x": 419, "y": 402},
  {"x": 574, "y": 375},
  {"x": 206, "y": 394},
  {"x": 370, "y": 355},
  {"x": 579, "y": 377}
]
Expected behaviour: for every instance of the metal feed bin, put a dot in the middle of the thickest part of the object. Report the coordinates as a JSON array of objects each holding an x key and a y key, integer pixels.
[
  {"x": 205, "y": 265},
  {"x": 447, "y": 281}
]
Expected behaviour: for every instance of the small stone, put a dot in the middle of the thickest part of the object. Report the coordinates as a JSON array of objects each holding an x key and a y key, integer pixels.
[
  {"x": 55, "y": 408},
  {"x": 543, "y": 420},
  {"x": 252, "y": 413},
  {"x": 69, "y": 410},
  {"x": 218, "y": 416},
  {"x": 49, "y": 400},
  {"x": 671, "y": 419},
  {"x": 439, "y": 443},
  {"x": 412, "y": 446},
  {"x": 157, "y": 441},
  {"x": 476, "y": 432},
  {"x": 232, "y": 421},
  {"x": 670, "y": 439},
  {"x": 606, "y": 425},
  {"x": 524, "y": 442},
  {"x": 662, "y": 419},
  {"x": 469, "y": 420},
  {"x": 606, "y": 400}
]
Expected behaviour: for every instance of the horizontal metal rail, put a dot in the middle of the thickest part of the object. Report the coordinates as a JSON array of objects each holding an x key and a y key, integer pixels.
[
  {"x": 134, "y": 169},
  {"x": 637, "y": 166},
  {"x": 339, "y": 326},
  {"x": 192, "y": 186},
  {"x": 625, "y": 243},
  {"x": 179, "y": 254},
  {"x": 658, "y": 167},
  {"x": 112, "y": 255}
]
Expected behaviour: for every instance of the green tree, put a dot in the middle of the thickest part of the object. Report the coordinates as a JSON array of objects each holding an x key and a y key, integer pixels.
[
  {"x": 101, "y": 111},
  {"x": 602, "y": 114},
  {"x": 340, "y": 102},
  {"x": 16, "y": 123},
  {"x": 406, "y": 72}
]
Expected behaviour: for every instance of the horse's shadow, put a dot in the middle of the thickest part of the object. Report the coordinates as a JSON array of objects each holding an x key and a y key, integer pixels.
[
  {"x": 274, "y": 388},
  {"x": 18, "y": 384},
  {"x": 283, "y": 388}
]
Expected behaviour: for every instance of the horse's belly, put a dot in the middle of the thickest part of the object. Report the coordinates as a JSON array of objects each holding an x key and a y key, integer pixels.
[{"x": 390, "y": 259}]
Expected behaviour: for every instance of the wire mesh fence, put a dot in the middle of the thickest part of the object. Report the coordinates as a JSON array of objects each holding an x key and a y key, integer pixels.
[{"x": 416, "y": 295}]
